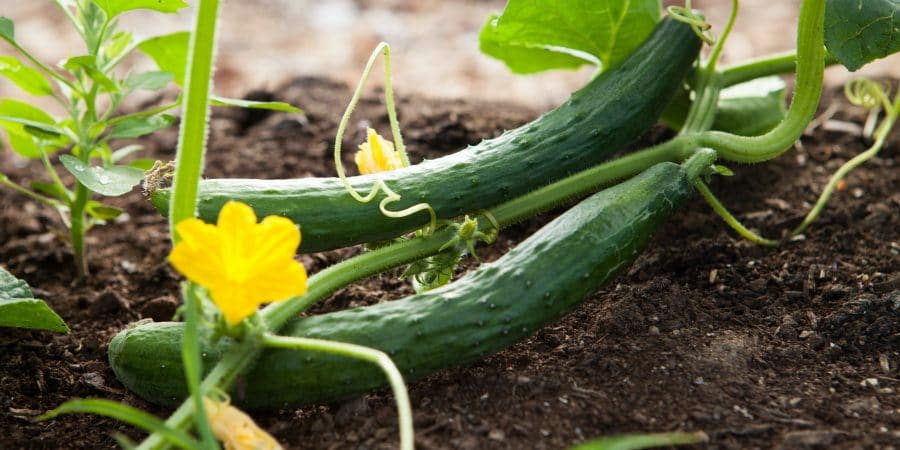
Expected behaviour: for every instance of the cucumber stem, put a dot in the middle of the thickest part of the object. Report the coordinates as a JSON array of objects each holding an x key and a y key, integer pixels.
[
  {"x": 193, "y": 364},
  {"x": 193, "y": 133},
  {"x": 699, "y": 163},
  {"x": 774, "y": 64},
  {"x": 808, "y": 89},
  {"x": 398, "y": 386}
]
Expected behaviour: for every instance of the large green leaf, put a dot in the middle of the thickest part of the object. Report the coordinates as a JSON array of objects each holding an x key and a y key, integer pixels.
[
  {"x": 19, "y": 308},
  {"x": 30, "y": 80},
  {"x": 169, "y": 51},
  {"x": 113, "y": 8},
  {"x": 110, "y": 181},
  {"x": 530, "y": 36},
  {"x": 860, "y": 31}
]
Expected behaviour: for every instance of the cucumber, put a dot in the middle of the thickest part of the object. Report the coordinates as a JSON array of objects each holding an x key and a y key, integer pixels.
[
  {"x": 598, "y": 120},
  {"x": 488, "y": 309}
]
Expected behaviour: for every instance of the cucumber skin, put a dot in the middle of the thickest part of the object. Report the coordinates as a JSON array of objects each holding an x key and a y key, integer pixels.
[
  {"x": 492, "y": 307},
  {"x": 611, "y": 111}
]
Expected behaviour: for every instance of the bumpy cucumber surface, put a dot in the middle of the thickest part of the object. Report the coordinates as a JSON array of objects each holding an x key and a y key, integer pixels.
[
  {"x": 598, "y": 120},
  {"x": 489, "y": 309}
]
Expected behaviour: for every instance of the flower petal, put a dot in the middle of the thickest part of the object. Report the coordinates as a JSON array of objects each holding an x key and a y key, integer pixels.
[
  {"x": 197, "y": 255},
  {"x": 235, "y": 303},
  {"x": 278, "y": 284},
  {"x": 236, "y": 238},
  {"x": 277, "y": 238}
]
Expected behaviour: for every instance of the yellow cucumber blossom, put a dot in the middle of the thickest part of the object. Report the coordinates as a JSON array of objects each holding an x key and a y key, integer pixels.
[
  {"x": 377, "y": 155},
  {"x": 244, "y": 264},
  {"x": 236, "y": 429}
]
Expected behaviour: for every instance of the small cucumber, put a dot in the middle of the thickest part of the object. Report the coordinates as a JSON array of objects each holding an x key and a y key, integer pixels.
[
  {"x": 598, "y": 120},
  {"x": 488, "y": 309}
]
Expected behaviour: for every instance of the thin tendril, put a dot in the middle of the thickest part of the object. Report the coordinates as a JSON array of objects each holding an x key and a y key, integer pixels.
[
  {"x": 697, "y": 22},
  {"x": 720, "y": 43},
  {"x": 868, "y": 94},
  {"x": 735, "y": 224},
  {"x": 379, "y": 185}
]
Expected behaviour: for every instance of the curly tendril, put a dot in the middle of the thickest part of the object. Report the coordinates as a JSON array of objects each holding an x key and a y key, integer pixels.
[
  {"x": 379, "y": 185},
  {"x": 868, "y": 94},
  {"x": 695, "y": 19}
]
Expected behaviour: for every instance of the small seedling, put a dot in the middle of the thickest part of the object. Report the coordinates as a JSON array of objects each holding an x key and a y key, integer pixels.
[{"x": 91, "y": 88}]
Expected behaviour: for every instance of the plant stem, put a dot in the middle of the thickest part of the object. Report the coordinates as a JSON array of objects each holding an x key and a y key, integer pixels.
[
  {"x": 808, "y": 89},
  {"x": 238, "y": 359},
  {"x": 775, "y": 64},
  {"x": 193, "y": 364},
  {"x": 398, "y": 386},
  {"x": 193, "y": 133},
  {"x": 77, "y": 218},
  {"x": 34, "y": 195},
  {"x": 45, "y": 159},
  {"x": 720, "y": 43},
  {"x": 699, "y": 163}
]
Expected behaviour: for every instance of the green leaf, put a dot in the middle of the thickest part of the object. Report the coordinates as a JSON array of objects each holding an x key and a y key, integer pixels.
[
  {"x": 144, "y": 164},
  {"x": 50, "y": 189},
  {"x": 127, "y": 414},
  {"x": 120, "y": 42},
  {"x": 10, "y": 108},
  {"x": 19, "y": 308},
  {"x": 533, "y": 36},
  {"x": 639, "y": 441},
  {"x": 116, "y": 7},
  {"x": 110, "y": 181},
  {"x": 169, "y": 52},
  {"x": 150, "y": 81},
  {"x": 140, "y": 126},
  {"x": 273, "y": 106},
  {"x": 860, "y": 31},
  {"x": 7, "y": 29},
  {"x": 722, "y": 170},
  {"x": 12, "y": 287},
  {"x": 751, "y": 108},
  {"x": 22, "y": 143},
  {"x": 23, "y": 123},
  {"x": 30, "y": 80},
  {"x": 100, "y": 211},
  {"x": 88, "y": 64},
  {"x": 121, "y": 153}
]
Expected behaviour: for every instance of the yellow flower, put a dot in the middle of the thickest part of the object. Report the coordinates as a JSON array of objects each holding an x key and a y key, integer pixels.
[
  {"x": 377, "y": 155},
  {"x": 236, "y": 429},
  {"x": 243, "y": 263}
]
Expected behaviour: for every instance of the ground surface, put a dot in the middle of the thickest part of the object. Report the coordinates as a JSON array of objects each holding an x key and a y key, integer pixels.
[{"x": 791, "y": 347}]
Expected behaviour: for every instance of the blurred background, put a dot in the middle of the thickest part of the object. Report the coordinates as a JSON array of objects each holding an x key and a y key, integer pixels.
[{"x": 434, "y": 43}]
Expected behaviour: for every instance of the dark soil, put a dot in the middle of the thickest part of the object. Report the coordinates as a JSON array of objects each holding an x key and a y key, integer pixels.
[{"x": 791, "y": 347}]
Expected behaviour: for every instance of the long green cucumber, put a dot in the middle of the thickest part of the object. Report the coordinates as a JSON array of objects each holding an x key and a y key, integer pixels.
[
  {"x": 490, "y": 308},
  {"x": 598, "y": 120}
]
